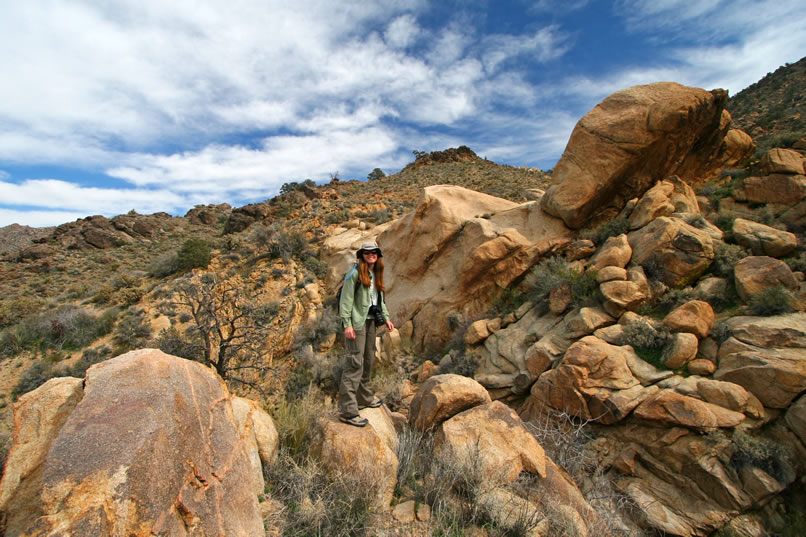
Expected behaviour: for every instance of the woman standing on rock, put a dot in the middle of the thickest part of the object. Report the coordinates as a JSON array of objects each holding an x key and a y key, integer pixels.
[{"x": 361, "y": 308}]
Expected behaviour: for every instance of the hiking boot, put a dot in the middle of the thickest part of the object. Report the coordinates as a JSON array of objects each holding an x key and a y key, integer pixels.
[
  {"x": 375, "y": 404},
  {"x": 356, "y": 420}
]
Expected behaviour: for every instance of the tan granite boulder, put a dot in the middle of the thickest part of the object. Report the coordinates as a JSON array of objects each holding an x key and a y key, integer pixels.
[
  {"x": 779, "y": 160},
  {"x": 615, "y": 252},
  {"x": 39, "y": 415},
  {"x": 680, "y": 350},
  {"x": 673, "y": 409},
  {"x": 777, "y": 188},
  {"x": 359, "y": 455},
  {"x": 629, "y": 141},
  {"x": 664, "y": 199},
  {"x": 764, "y": 240},
  {"x": 443, "y": 396},
  {"x": 679, "y": 251},
  {"x": 695, "y": 317},
  {"x": 491, "y": 440},
  {"x": 754, "y": 274},
  {"x": 259, "y": 435},
  {"x": 147, "y": 418}
]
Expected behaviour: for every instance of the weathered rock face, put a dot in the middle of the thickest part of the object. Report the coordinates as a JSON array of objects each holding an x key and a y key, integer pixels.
[
  {"x": 38, "y": 417},
  {"x": 208, "y": 214},
  {"x": 101, "y": 232},
  {"x": 754, "y": 274},
  {"x": 764, "y": 240},
  {"x": 679, "y": 251},
  {"x": 664, "y": 199},
  {"x": 630, "y": 140},
  {"x": 444, "y": 258},
  {"x": 152, "y": 448},
  {"x": 778, "y": 160},
  {"x": 243, "y": 217},
  {"x": 695, "y": 317},
  {"x": 767, "y": 356},
  {"x": 490, "y": 439},
  {"x": 443, "y": 396},
  {"x": 776, "y": 188}
]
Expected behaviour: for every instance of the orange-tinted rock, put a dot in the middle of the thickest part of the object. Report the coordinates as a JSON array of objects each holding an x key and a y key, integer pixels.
[
  {"x": 490, "y": 439},
  {"x": 629, "y": 141},
  {"x": 695, "y": 317},
  {"x": 754, "y": 274},
  {"x": 444, "y": 396}
]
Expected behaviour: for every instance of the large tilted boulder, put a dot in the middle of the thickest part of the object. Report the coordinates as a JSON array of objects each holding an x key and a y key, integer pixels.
[
  {"x": 631, "y": 140},
  {"x": 777, "y": 188},
  {"x": 695, "y": 317},
  {"x": 490, "y": 441},
  {"x": 443, "y": 396},
  {"x": 152, "y": 447},
  {"x": 445, "y": 259}
]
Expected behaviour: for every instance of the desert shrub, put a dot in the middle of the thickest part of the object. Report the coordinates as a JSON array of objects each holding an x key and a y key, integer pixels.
[
  {"x": 133, "y": 330},
  {"x": 772, "y": 301},
  {"x": 725, "y": 258},
  {"x": 88, "y": 358},
  {"x": 647, "y": 340},
  {"x": 32, "y": 378},
  {"x": 104, "y": 295},
  {"x": 317, "y": 267},
  {"x": 294, "y": 420},
  {"x": 67, "y": 327},
  {"x": 610, "y": 228},
  {"x": 286, "y": 245},
  {"x": 5, "y": 444},
  {"x": 321, "y": 502},
  {"x": 164, "y": 265},
  {"x": 170, "y": 341},
  {"x": 761, "y": 453},
  {"x": 194, "y": 253},
  {"x": 797, "y": 264},
  {"x": 376, "y": 174},
  {"x": 129, "y": 295},
  {"x": 673, "y": 298},
  {"x": 555, "y": 272},
  {"x": 13, "y": 311}
]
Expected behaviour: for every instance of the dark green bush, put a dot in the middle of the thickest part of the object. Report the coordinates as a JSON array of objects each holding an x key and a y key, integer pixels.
[
  {"x": 611, "y": 228},
  {"x": 725, "y": 258},
  {"x": 170, "y": 341},
  {"x": 133, "y": 331},
  {"x": 647, "y": 340},
  {"x": 194, "y": 253},
  {"x": 32, "y": 378},
  {"x": 772, "y": 301},
  {"x": 556, "y": 272}
]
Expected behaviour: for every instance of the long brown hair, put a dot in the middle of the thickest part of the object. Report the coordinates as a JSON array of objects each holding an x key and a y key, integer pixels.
[{"x": 363, "y": 273}]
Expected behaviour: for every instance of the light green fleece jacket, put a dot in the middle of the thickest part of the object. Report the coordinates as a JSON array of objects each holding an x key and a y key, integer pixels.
[{"x": 355, "y": 302}]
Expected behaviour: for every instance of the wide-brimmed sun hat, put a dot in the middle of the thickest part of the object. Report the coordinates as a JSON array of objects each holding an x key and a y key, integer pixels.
[{"x": 370, "y": 246}]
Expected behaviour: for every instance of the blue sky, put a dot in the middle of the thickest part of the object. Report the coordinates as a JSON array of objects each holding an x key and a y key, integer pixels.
[{"x": 159, "y": 106}]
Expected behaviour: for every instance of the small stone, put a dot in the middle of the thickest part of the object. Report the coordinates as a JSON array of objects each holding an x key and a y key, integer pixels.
[{"x": 702, "y": 367}]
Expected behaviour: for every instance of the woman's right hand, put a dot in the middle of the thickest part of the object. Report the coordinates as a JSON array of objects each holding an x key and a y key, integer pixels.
[{"x": 349, "y": 333}]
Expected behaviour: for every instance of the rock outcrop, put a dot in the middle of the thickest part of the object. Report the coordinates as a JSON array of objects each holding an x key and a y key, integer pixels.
[
  {"x": 631, "y": 140},
  {"x": 151, "y": 446}
]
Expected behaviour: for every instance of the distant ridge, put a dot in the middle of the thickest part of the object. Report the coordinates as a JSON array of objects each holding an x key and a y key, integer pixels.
[{"x": 14, "y": 237}]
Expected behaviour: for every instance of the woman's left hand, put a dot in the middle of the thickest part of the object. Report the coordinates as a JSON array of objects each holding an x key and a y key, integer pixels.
[{"x": 390, "y": 326}]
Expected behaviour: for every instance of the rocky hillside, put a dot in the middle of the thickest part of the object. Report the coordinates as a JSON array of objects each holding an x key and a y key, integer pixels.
[
  {"x": 773, "y": 110},
  {"x": 14, "y": 237},
  {"x": 606, "y": 351}
]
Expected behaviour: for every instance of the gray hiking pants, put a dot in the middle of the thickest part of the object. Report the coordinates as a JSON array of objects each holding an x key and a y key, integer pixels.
[{"x": 354, "y": 390}]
